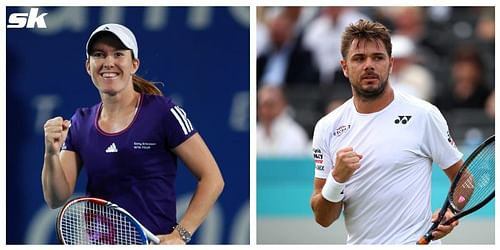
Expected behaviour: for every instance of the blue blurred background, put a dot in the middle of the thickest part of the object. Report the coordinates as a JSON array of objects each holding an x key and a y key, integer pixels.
[{"x": 200, "y": 54}]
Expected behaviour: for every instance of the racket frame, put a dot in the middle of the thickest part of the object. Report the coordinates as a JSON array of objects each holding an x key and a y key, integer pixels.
[
  {"x": 145, "y": 233},
  {"x": 457, "y": 214}
]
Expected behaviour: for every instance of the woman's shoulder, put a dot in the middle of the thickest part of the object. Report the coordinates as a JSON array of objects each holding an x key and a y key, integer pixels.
[
  {"x": 87, "y": 111},
  {"x": 158, "y": 100},
  {"x": 84, "y": 116},
  {"x": 159, "y": 106}
]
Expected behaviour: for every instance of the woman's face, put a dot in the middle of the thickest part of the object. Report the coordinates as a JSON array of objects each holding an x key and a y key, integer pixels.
[{"x": 110, "y": 68}]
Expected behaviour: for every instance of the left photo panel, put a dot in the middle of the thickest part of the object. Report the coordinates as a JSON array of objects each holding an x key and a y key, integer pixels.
[{"x": 127, "y": 125}]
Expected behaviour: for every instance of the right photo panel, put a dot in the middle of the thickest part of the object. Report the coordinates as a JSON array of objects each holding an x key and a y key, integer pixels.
[{"x": 375, "y": 125}]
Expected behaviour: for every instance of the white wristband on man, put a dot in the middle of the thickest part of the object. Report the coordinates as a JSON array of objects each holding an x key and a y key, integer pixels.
[{"x": 332, "y": 190}]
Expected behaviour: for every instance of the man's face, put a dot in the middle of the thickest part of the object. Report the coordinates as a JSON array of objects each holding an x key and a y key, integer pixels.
[{"x": 367, "y": 65}]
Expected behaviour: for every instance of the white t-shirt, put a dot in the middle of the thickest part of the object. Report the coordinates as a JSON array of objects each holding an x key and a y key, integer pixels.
[{"x": 387, "y": 200}]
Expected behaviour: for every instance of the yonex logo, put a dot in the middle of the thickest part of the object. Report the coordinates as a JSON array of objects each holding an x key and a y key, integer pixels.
[
  {"x": 112, "y": 148},
  {"x": 403, "y": 119}
]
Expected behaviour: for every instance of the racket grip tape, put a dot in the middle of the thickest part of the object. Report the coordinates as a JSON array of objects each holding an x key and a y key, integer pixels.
[{"x": 423, "y": 241}]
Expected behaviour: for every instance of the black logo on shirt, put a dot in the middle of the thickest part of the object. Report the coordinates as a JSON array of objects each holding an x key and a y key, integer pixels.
[
  {"x": 403, "y": 119},
  {"x": 318, "y": 159},
  {"x": 340, "y": 130},
  {"x": 450, "y": 139}
]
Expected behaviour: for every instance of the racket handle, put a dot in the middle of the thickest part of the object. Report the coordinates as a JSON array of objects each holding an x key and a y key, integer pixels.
[
  {"x": 152, "y": 237},
  {"x": 425, "y": 240},
  {"x": 448, "y": 222}
]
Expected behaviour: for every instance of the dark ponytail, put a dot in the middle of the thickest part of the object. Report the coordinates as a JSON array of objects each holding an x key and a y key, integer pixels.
[{"x": 144, "y": 86}]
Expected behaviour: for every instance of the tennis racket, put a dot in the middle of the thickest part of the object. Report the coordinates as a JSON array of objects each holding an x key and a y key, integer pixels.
[
  {"x": 472, "y": 188},
  {"x": 93, "y": 221}
]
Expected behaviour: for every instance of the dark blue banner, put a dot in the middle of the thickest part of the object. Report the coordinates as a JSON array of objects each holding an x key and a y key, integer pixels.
[{"x": 199, "y": 54}]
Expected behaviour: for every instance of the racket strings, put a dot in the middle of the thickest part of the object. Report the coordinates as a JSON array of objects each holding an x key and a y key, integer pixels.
[
  {"x": 478, "y": 180},
  {"x": 94, "y": 224}
]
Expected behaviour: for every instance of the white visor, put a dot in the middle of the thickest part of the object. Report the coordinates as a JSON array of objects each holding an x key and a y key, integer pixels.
[{"x": 123, "y": 33}]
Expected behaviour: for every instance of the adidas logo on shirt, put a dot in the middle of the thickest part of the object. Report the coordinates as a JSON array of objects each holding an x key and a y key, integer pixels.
[{"x": 112, "y": 148}]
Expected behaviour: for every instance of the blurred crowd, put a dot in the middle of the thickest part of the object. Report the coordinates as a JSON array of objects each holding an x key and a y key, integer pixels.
[{"x": 444, "y": 55}]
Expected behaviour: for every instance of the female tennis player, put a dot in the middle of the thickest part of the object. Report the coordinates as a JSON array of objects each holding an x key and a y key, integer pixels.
[{"x": 129, "y": 144}]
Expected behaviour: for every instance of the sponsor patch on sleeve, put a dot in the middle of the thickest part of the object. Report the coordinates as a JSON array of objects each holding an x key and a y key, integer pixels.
[{"x": 318, "y": 159}]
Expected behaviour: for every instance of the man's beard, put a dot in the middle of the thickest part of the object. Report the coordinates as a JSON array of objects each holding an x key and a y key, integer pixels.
[{"x": 372, "y": 93}]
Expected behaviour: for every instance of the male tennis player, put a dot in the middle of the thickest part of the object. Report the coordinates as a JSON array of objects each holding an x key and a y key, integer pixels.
[
  {"x": 129, "y": 144},
  {"x": 374, "y": 153}
]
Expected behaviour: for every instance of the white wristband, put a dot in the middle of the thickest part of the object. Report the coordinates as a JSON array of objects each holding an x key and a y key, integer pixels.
[{"x": 332, "y": 190}]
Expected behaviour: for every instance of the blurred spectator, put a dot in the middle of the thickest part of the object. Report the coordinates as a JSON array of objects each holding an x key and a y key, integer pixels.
[
  {"x": 277, "y": 133},
  {"x": 285, "y": 61},
  {"x": 410, "y": 21},
  {"x": 434, "y": 32},
  {"x": 485, "y": 27},
  {"x": 408, "y": 76},
  {"x": 265, "y": 15},
  {"x": 333, "y": 104},
  {"x": 322, "y": 37},
  {"x": 262, "y": 32},
  {"x": 439, "y": 14},
  {"x": 485, "y": 33},
  {"x": 468, "y": 89},
  {"x": 490, "y": 106}
]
